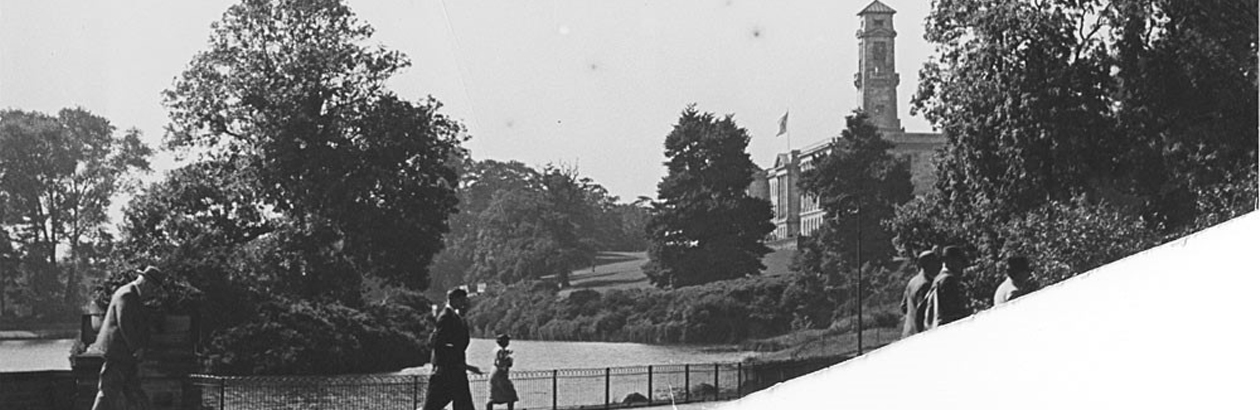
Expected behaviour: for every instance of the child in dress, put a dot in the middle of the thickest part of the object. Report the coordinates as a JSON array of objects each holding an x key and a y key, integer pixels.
[{"x": 501, "y": 389}]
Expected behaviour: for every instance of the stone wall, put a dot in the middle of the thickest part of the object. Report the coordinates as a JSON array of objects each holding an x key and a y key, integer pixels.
[{"x": 41, "y": 390}]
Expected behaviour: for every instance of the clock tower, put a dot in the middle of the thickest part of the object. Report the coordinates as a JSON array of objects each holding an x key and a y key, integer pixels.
[{"x": 877, "y": 77}]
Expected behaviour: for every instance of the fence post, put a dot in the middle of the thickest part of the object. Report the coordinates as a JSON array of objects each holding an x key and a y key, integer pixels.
[
  {"x": 607, "y": 386},
  {"x": 687, "y": 382},
  {"x": 739, "y": 379},
  {"x": 649, "y": 392},
  {"x": 554, "y": 388},
  {"x": 717, "y": 388},
  {"x": 415, "y": 391},
  {"x": 222, "y": 394}
]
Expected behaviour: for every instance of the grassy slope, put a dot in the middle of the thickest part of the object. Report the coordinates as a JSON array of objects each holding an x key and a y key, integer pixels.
[{"x": 624, "y": 270}]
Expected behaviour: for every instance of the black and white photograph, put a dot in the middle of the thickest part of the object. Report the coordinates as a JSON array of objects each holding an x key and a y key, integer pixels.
[{"x": 577, "y": 204}]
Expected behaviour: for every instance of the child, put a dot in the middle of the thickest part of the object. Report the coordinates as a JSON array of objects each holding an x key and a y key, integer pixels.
[{"x": 501, "y": 389}]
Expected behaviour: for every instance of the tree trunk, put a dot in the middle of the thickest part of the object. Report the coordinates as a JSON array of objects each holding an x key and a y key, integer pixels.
[{"x": 71, "y": 297}]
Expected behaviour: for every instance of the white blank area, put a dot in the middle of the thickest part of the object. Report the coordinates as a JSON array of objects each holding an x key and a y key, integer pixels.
[{"x": 1171, "y": 327}]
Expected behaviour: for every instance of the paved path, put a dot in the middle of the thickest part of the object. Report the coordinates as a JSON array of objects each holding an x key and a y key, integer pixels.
[{"x": 704, "y": 405}]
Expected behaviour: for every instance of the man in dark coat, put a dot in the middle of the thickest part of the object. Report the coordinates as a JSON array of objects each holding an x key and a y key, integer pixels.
[
  {"x": 449, "y": 381},
  {"x": 947, "y": 301},
  {"x": 123, "y": 338},
  {"x": 914, "y": 301}
]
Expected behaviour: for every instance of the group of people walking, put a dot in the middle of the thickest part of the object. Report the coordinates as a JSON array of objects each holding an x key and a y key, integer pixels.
[
  {"x": 448, "y": 384},
  {"x": 936, "y": 296}
]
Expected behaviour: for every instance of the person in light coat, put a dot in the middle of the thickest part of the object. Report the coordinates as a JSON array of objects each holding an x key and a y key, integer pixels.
[
  {"x": 914, "y": 300},
  {"x": 1019, "y": 281},
  {"x": 123, "y": 338}
]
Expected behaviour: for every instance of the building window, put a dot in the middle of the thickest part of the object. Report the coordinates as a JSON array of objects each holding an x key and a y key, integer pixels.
[
  {"x": 879, "y": 54},
  {"x": 877, "y": 22}
]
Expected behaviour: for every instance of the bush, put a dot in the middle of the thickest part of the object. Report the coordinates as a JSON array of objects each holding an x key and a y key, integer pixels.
[
  {"x": 720, "y": 312},
  {"x": 302, "y": 338},
  {"x": 1061, "y": 239}
]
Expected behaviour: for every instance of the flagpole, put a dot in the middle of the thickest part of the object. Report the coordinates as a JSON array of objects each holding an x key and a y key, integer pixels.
[{"x": 787, "y": 132}]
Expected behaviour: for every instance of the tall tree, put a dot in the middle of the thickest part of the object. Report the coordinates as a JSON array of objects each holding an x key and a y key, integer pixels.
[
  {"x": 1150, "y": 105},
  {"x": 704, "y": 226},
  {"x": 59, "y": 175},
  {"x": 290, "y": 90},
  {"x": 858, "y": 184},
  {"x": 1020, "y": 93},
  {"x": 1186, "y": 100}
]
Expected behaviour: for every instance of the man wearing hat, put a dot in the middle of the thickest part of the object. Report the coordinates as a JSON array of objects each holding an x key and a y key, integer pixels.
[
  {"x": 449, "y": 381},
  {"x": 946, "y": 301},
  {"x": 123, "y": 337},
  {"x": 914, "y": 301}
]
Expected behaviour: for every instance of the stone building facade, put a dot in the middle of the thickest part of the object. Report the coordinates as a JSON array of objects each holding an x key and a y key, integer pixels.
[{"x": 797, "y": 213}]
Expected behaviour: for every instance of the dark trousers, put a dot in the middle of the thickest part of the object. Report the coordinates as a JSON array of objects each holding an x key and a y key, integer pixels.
[
  {"x": 448, "y": 387},
  {"x": 120, "y": 387}
]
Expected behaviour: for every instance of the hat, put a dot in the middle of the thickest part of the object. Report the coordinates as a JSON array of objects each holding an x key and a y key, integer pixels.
[
  {"x": 1018, "y": 263},
  {"x": 502, "y": 337},
  {"x": 154, "y": 274}
]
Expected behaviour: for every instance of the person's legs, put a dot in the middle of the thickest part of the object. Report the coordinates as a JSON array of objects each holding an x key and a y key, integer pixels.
[
  {"x": 437, "y": 395},
  {"x": 462, "y": 395},
  {"x": 109, "y": 392},
  {"x": 136, "y": 397}
]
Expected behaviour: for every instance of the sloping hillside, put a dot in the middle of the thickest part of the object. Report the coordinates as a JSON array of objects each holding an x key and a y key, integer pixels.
[{"x": 624, "y": 270}]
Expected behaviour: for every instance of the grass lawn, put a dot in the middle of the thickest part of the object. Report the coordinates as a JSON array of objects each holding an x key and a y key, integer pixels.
[
  {"x": 826, "y": 342},
  {"x": 624, "y": 270}
]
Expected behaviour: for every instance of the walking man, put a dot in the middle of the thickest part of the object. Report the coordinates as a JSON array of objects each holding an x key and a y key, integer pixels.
[
  {"x": 914, "y": 301},
  {"x": 946, "y": 301},
  {"x": 1019, "y": 281},
  {"x": 123, "y": 338},
  {"x": 449, "y": 381}
]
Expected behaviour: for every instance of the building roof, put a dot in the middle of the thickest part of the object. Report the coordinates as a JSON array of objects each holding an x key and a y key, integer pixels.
[{"x": 877, "y": 7}]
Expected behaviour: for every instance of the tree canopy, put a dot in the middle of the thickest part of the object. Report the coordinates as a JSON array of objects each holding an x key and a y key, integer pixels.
[
  {"x": 312, "y": 183},
  {"x": 704, "y": 226},
  {"x": 58, "y": 177},
  {"x": 288, "y": 90},
  {"x": 1146, "y": 104},
  {"x": 858, "y": 184},
  {"x": 519, "y": 223}
]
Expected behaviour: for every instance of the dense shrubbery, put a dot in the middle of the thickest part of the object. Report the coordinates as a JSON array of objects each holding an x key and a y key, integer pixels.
[
  {"x": 1062, "y": 239},
  {"x": 299, "y": 337},
  {"x": 720, "y": 312}
]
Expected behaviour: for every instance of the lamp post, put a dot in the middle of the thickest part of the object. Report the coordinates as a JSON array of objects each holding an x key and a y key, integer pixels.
[{"x": 859, "y": 267}]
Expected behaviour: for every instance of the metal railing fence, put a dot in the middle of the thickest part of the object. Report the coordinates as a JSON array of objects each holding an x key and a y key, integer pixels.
[{"x": 611, "y": 387}]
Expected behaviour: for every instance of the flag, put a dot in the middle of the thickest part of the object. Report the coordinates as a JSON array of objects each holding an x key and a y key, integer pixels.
[{"x": 782, "y": 124}]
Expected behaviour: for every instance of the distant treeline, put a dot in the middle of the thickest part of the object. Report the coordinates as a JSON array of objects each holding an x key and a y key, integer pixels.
[
  {"x": 717, "y": 313},
  {"x": 517, "y": 223}
]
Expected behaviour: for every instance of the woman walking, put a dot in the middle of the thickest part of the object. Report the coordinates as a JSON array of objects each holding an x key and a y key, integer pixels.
[{"x": 501, "y": 389}]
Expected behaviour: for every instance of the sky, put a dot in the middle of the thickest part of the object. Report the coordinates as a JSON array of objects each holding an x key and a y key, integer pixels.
[{"x": 592, "y": 84}]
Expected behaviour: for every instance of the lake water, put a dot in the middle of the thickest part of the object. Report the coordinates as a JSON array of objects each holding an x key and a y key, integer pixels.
[
  {"x": 547, "y": 355},
  {"x": 31, "y": 355},
  {"x": 35, "y": 354}
]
